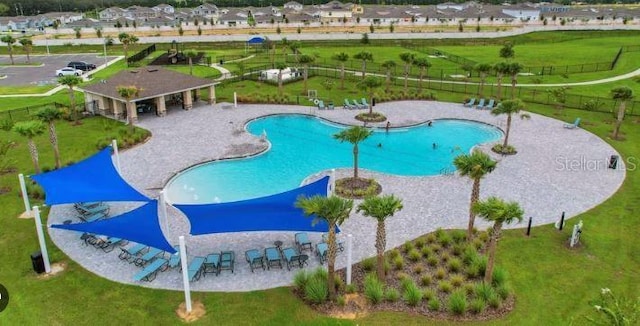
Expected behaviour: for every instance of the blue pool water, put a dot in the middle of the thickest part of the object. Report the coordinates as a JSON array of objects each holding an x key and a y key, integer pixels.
[{"x": 303, "y": 145}]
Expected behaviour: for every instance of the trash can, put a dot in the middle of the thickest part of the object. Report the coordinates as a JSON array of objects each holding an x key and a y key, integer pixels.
[
  {"x": 37, "y": 262},
  {"x": 613, "y": 162},
  {"x": 373, "y": 101},
  {"x": 221, "y": 62}
]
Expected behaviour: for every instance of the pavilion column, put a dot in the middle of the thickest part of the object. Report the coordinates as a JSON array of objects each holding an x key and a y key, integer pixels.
[
  {"x": 188, "y": 100},
  {"x": 212, "y": 94},
  {"x": 101, "y": 104},
  {"x": 117, "y": 109},
  {"x": 131, "y": 108},
  {"x": 161, "y": 106}
]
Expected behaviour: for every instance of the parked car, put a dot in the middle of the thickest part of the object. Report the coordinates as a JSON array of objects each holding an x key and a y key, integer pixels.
[
  {"x": 68, "y": 71},
  {"x": 84, "y": 66},
  {"x": 145, "y": 107}
]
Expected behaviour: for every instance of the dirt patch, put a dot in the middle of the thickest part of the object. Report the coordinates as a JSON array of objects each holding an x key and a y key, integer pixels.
[
  {"x": 197, "y": 311},
  {"x": 56, "y": 269}
]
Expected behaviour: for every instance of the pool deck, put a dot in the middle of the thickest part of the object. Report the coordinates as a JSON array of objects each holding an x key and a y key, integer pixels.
[{"x": 556, "y": 169}]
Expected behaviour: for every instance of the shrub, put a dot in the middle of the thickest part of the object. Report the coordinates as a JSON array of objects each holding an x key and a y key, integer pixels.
[
  {"x": 373, "y": 289},
  {"x": 405, "y": 282},
  {"x": 445, "y": 257},
  {"x": 387, "y": 266},
  {"x": 439, "y": 233},
  {"x": 478, "y": 243},
  {"x": 338, "y": 282},
  {"x": 420, "y": 242},
  {"x": 504, "y": 291},
  {"x": 458, "y": 302},
  {"x": 456, "y": 280},
  {"x": 472, "y": 271},
  {"x": 469, "y": 254},
  {"x": 499, "y": 276},
  {"x": 418, "y": 269},
  {"x": 436, "y": 247},
  {"x": 426, "y": 251},
  {"x": 6, "y": 124},
  {"x": 445, "y": 239},
  {"x": 477, "y": 305},
  {"x": 402, "y": 276},
  {"x": 432, "y": 261},
  {"x": 341, "y": 301},
  {"x": 428, "y": 294},
  {"x": 431, "y": 238},
  {"x": 440, "y": 273},
  {"x": 484, "y": 291},
  {"x": 458, "y": 249},
  {"x": 470, "y": 288},
  {"x": 481, "y": 264},
  {"x": 414, "y": 255},
  {"x": 445, "y": 286},
  {"x": 350, "y": 288},
  {"x": 484, "y": 236},
  {"x": 321, "y": 273},
  {"x": 394, "y": 253},
  {"x": 398, "y": 263},
  {"x": 407, "y": 246},
  {"x": 300, "y": 279},
  {"x": 494, "y": 301},
  {"x": 426, "y": 280},
  {"x": 316, "y": 290},
  {"x": 434, "y": 304},
  {"x": 369, "y": 264},
  {"x": 412, "y": 294},
  {"x": 459, "y": 236},
  {"x": 392, "y": 294},
  {"x": 509, "y": 150},
  {"x": 455, "y": 265}
]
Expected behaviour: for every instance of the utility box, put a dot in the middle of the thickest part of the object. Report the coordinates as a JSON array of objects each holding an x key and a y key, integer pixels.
[{"x": 37, "y": 262}]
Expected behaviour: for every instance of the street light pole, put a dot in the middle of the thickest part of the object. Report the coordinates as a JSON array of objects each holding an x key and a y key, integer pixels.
[
  {"x": 46, "y": 40},
  {"x": 104, "y": 44}
]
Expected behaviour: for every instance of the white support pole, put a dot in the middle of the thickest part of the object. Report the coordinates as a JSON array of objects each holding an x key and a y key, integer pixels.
[
  {"x": 332, "y": 182},
  {"x": 163, "y": 211},
  {"x": 43, "y": 245},
  {"x": 25, "y": 196},
  {"x": 185, "y": 273},
  {"x": 114, "y": 145},
  {"x": 235, "y": 99},
  {"x": 349, "y": 245},
  {"x": 104, "y": 45}
]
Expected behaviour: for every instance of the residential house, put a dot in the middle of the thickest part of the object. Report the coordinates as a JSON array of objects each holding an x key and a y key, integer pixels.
[
  {"x": 293, "y": 6},
  {"x": 164, "y": 9},
  {"x": 206, "y": 10},
  {"x": 140, "y": 13},
  {"x": 522, "y": 12},
  {"x": 111, "y": 13}
]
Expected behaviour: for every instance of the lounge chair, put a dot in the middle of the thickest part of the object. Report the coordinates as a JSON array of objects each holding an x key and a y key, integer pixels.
[
  {"x": 195, "y": 268},
  {"x": 480, "y": 105},
  {"x": 573, "y": 125},
  {"x": 489, "y": 106},
  {"x": 302, "y": 241},
  {"x": 254, "y": 258},
  {"x": 292, "y": 257},
  {"x": 107, "y": 244},
  {"x": 174, "y": 260},
  {"x": 150, "y": 272},
  {"x": 359, "y": 105},
  {"x": 86, "y": 210},
  {"x": 273, "y": 257},
  {"x": 470, "y": 103},
  {"x": 129, "y": 254},
  {"x": 364, "y": 102},
  {"x": 330, "y": 106},
  {"x": 227, "y": 260},
  {"x": 348, "y": 105},
  {"x": 212, "y": 264},
  {"x": 147, "y": 257},
  {"x": 321, "y": 250},
  {"x": 321, "y": 105},
  {"x": 95, "y": 217}
]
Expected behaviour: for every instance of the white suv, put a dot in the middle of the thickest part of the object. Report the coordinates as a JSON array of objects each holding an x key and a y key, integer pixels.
[{"x": 67, "y": 71}]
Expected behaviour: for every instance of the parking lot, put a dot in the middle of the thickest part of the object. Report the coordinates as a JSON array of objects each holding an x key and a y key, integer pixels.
[{"x": 44, "y": 73}]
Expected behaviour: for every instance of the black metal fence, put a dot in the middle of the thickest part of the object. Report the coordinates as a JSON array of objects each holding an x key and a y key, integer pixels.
[
  {"x": 132, "y": 60},
  {"x": 28, "y": 112}
]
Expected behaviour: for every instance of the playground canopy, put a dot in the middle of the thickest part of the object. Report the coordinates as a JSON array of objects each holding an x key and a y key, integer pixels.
[
  {"x": 93, "y": 179},
  {"x": 256, "y": 40},
  {"x": 271, "y": 213}
]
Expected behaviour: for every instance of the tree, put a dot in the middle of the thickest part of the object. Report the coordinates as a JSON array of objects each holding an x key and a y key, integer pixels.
[
  {"x": 365, "y": 38},
  {"x": 333, "y": 211},
  {"x": 71, "y": 81},
  {"x": 78, "y": 32},
  {"x": 380, "y": 208},
  {"x": 559, "y": 95},
  {"x": 129, "y": 92},
  {"x": 295, "y": 47},
  {"x": 483, "y": 70},
  {"x": 285, "y": 45},
  {"x": 27, "y": 45},
  {"x": 408, "y": 58},
  {"x": 342, "y": 58},
  {"x": 280, "y": 66},
  {"x": 30, "y": 129},
  {"x": 509, "y": 107},
  {"x": 364, "y": 56},
  {"x": 354, "y": 135},
  {"x": 305, "y": 60},
  {"x": 98, "y": 32},
  {"x": 49, "y": 115},
  {"x": 423, "y": 64},
  {"x": 370, "y": 83},
  {"x": 501, "y": 68},
  {"x": 499, "y": 212},
  {"x": 514, "y": 69},
  {"x": 371, "y": 28},
  {"x": 9, "y": 40},
  {"x": 126, "y": 40},
  {"x": 388, "y": 65},
  {"x": 507, "y": 52},
  {"x": 475, "y": 166},
  {"x": 622, "y": 94}
]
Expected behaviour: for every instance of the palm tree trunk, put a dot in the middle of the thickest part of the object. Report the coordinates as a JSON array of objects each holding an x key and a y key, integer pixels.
[
  {"x": 381, "y": 242},
  {"x": 11, "y": 55},
  {"x": 342, "y": 76},
  {"x": 53, "y": 138},
  {"x": 499, "y": 87},
  {"x": 406, "y": 77},
  {"x": 355, "y": 161},
  {"x": 124, "y": 49},
  {"x": 475, "y": 195},
  {"x": 493, "y": 244},
  {"x": 364, "y": 67},
  {"x": 306, "y": 69},
  {"x": 34, "y": 154},
  {"x": 371, "y": 103},
  {"x": 331, "y": 259},
  {"x": 28, "y": 57},
  {"x": 130, "y": 117},
  {"x": 72, "y": 99},
  {"x": 506, "y": 133},
  {"x": 513, "y": 87},
  {"x": 621, "y": 110},
  {"x": 421, "y": 76},
  {"x": 388, "y": 81},
  {"x": 280, "y": 82},
  {"x": 481, "y": 85}
]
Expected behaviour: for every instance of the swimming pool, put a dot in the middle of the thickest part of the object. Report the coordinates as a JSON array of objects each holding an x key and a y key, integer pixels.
[{"x": 302, "y": 145}]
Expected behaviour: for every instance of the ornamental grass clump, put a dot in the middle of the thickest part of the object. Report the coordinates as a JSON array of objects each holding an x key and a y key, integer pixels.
[
  {"x": 373, "y": 289},
  {"x": 426, "y": 280},
  {"x": 300, "y": 280},
  {"x": 445, "y": 286},
  {"x": 398, "y": 263},
  {"x": 440, "y": 273},
  {"x": 369, "y": 264},
  {"x": 477, "y": 305},
  {"x": 434, "y": 304},
  {"x": 456, "y": 280},
  {"x": 426, "y": 251},
  {"x": 414, "y": 255},
  {"x": 454, "y": 265},
  {"x": 412, "y": 294},
  {"x": 428, "y": 294},
  {"x": 433, "y": 261},
  {"x": 392, "y": 294},
  {"x": 458, "y": 302},
  {"x": 316, "y": 290}
]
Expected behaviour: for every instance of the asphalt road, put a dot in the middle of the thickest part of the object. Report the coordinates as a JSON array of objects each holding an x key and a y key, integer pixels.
[{"x": 44, "y": 72}]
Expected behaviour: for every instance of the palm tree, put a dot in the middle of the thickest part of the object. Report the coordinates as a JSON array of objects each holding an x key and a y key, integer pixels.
[
  {"x": 50, "y": 115},
  {"x": 423, "y": 64},
  {"x": 342, "y": 58},
  {"x": 27, "y": 45},
  {"x": 295, "y": 46},
  {"x": 370, "y": 83},
  {"x": 622, "y": 94},
  {"x": 514, "y": 69},
  {"x": 30, "y": 129},
  {"x": 499, "y": 212},
  {"x": 9, "y": 40},
  {"x": 388, "y": 65},
  {"x": 364, "y": 56},
  {"x": 475, "y": 165},
  {"x": 354, "y": 135},
  {"x": 280, "y": 66},
  {"x": 380, "y": 208},
  {"x": 285, "y": 45},
  {"x": 509, "y": 107},
  {"x": 126, "y": 40},
  {"x": 129, "y": 92},
  {"x": 501, "y": 68},
  {"x": 71, "y": 81},
  {"x": 408, "y": 58},
  {"x": 333, "y": 211},
  {"x": 305, "y": 60},
  {"x": 483, "y": 70}
]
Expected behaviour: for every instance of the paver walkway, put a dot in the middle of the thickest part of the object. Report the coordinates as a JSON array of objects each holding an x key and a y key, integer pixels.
[{"x": 555, "y": 170}]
